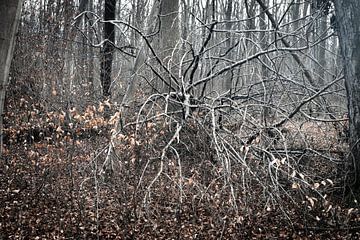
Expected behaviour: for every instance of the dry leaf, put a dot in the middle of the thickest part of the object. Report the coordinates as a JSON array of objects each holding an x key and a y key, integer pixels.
[
  {"x": 295, "y": 186},
  {"x": 101, "y": 108},
  {"x": 190, "y": 181},
  {"x": 350, "y": 211},
  {"x": 311, "y": 201},
  {"x": 59, "y": 130},
  {"x": 120, "y": 136},
  {"x": 114, "y": 118},
  {"x": 132, "y": 142}
]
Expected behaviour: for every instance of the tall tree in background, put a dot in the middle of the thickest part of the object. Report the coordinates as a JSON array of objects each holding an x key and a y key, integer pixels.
[
  {"x": 228, "y": 16},
  {"x": 108, "y": 47},
  {"x": 348, "y": 22},
  {"x": 9, "y": 21},
  {"x": 169, "y": 35}
]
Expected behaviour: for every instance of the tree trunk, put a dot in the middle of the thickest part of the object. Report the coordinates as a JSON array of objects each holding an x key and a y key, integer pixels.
[
  {"x": 152, "y": 26},
  {"x": 229, "y": 75},
  {"x": 91, "y": 50},
  {"x": 108, "y": 47},
  {"x": 169, "y": 36},
  {"x": 321, "y": 50},
  {"x": 267, "y": 112},
  {"x": 348, "y": 18},
  {"x": 9, "y": 21},
  {"x": 250, "y": 22}
]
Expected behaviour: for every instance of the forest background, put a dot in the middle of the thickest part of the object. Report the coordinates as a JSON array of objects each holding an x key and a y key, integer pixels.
[{"x": 169, "y": 119}]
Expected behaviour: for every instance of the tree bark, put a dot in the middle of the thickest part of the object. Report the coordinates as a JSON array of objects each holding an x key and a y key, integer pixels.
[
  {"x": 267, "y": 113},
  {"x": 229, "y": 75},
  {"x": 348, "y": 18},
  {"x": 321, "y": 50},
  {"x": 169, "y": 36},
  {"x": 108, "y": 47},
  {"x": 9, "y": 20}
]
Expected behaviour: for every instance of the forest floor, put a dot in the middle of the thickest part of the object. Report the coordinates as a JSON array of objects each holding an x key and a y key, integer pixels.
[{"x": 54, "y": 185}]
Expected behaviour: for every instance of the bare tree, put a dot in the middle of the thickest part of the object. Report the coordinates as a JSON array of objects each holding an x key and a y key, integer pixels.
[
  {"x": 348, "y": 22},
  {"x": 108, "y": 47},
  {"x": 9, "y": 21},
  {"x": 169, "y": 36}
]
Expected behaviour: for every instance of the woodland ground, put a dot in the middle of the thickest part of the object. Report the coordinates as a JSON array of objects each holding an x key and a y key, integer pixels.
[{"x": 55, "y": 185}]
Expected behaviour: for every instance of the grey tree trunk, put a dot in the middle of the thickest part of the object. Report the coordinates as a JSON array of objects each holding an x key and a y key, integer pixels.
[
  {"x": 9, "y": 20},
  {"x": 169, "y": 36},
  {"x": 108, "y": 48},
  {"x": 295, "y": 14},
  {"x": 91, "y": 52},
  {"x": 229, "y": 75},
  {"x": 152, "y": 26},
  {"x": 348, "y": 19},
  {"x": 163, "y": 18},
  {"x": 250, "y": 22},
  {"x": 267, "y": 114},
  {"x": 321, "y": 51}
]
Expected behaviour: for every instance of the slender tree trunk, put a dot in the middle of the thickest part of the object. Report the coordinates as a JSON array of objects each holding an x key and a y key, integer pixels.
[
  {"x": 348, "y": 18},
  {"x": 250, "y": 10},
  {"x": 322, "y": 51},
  {"x": 91, "y": 50},
  {"x": 295, "y": 15},
  {"x": 250, "y": 22},
  {"x": 185, "y": 17},
  {"x": 267, "y": 114},
  {"x": 9, "y": 21},
  {"x": 108, "y": 47},
  {"x": 229, "y": 75}
]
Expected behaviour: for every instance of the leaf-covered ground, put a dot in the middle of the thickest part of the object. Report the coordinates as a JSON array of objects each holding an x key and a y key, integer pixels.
[{"x": 56, "y": 185}]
